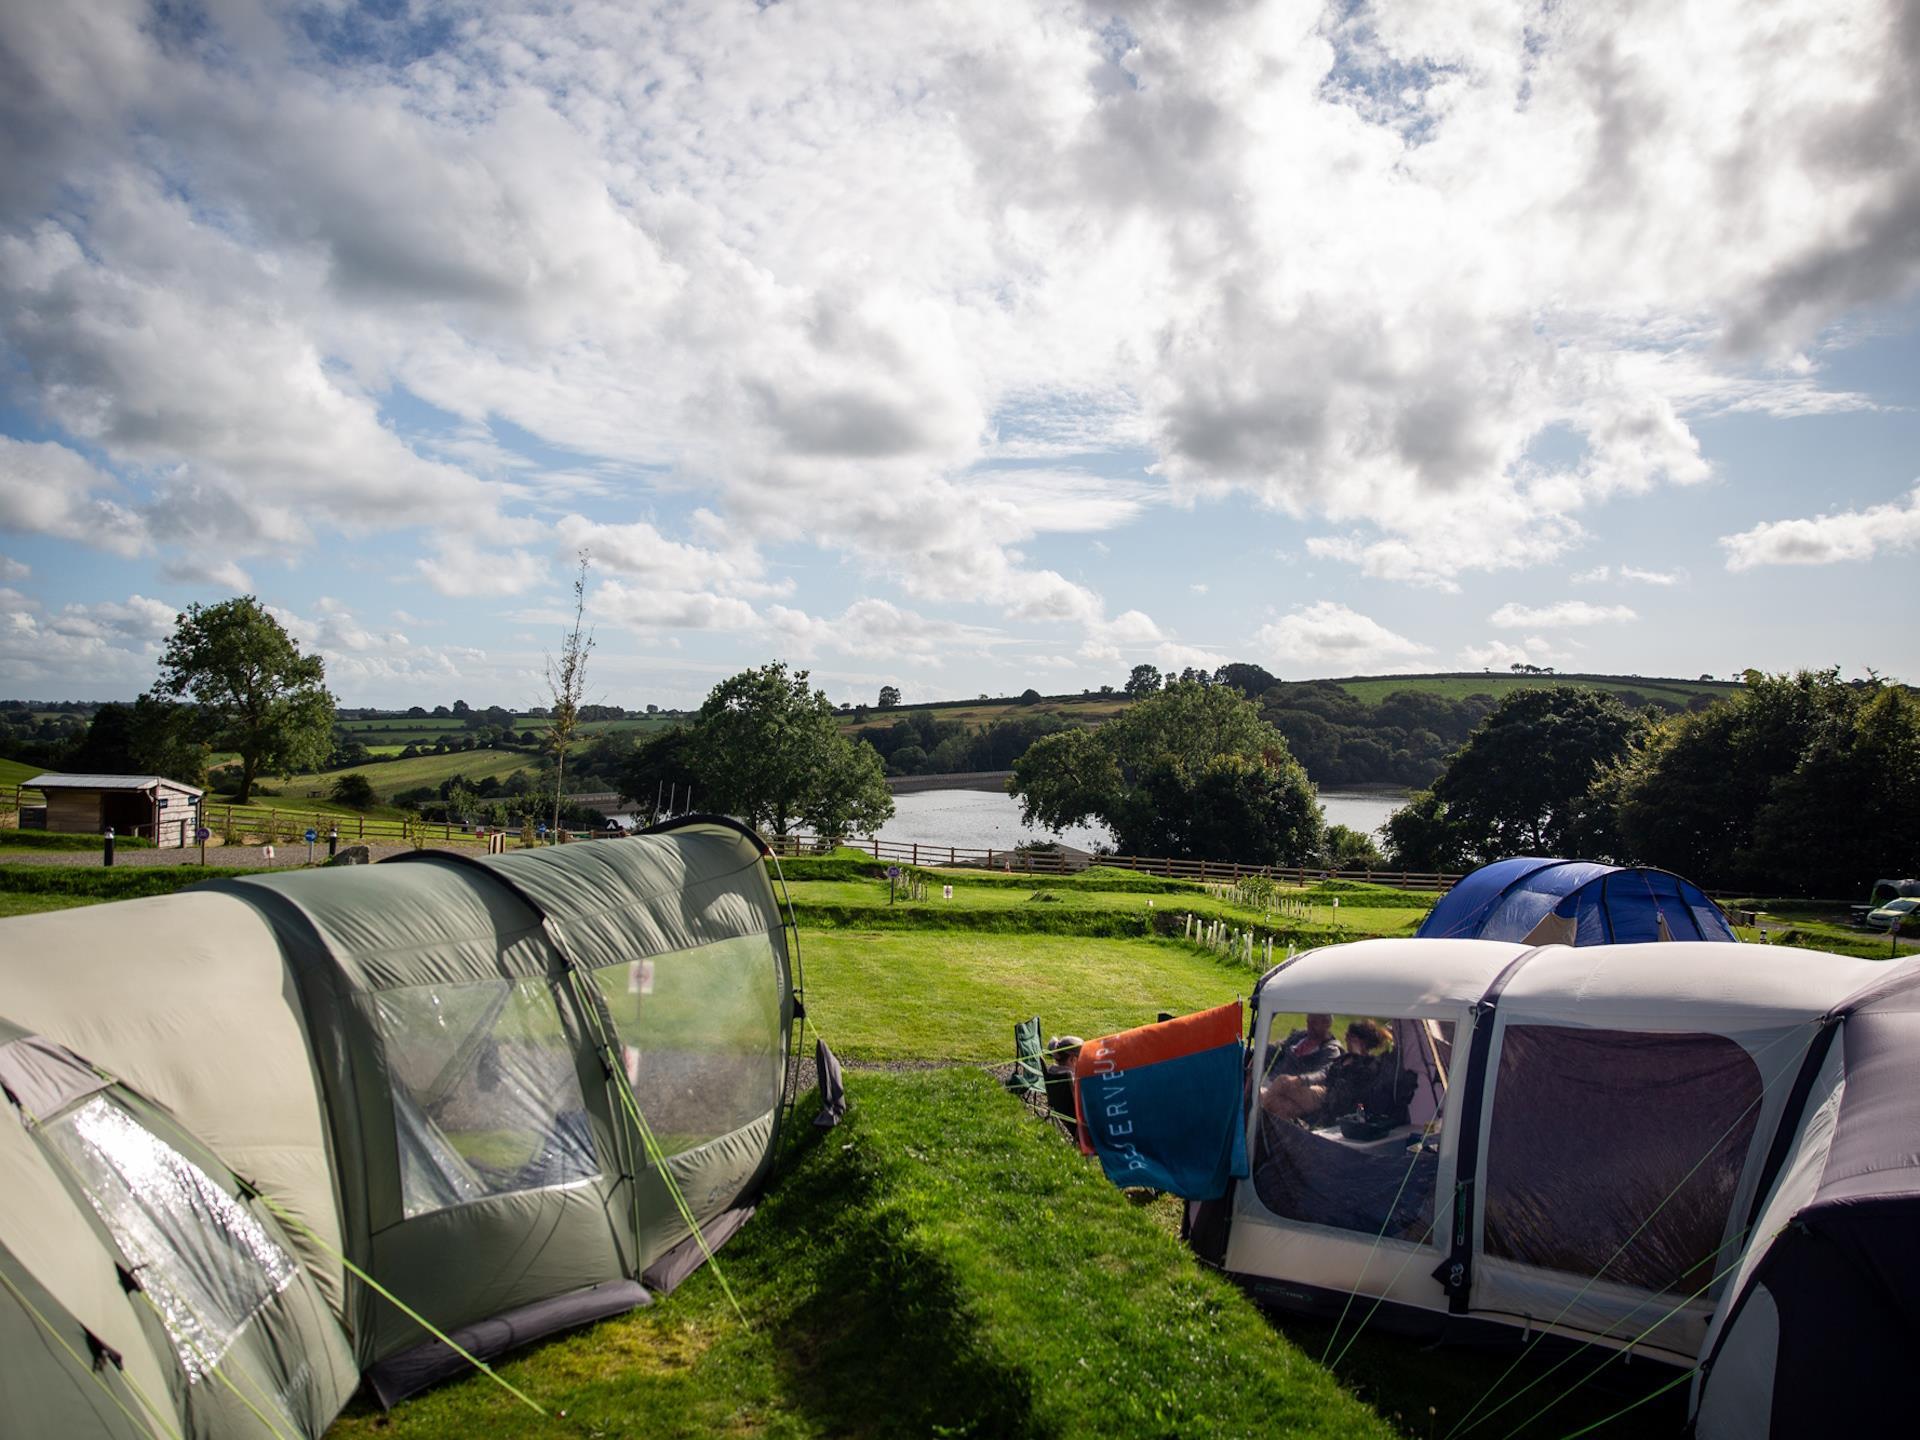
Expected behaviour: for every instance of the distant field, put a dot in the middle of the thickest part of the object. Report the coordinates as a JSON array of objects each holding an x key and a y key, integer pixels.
[
  {"x": 390, "y": 776},
  {"x": 402, "y": 730},
  {"x": 13, "y": 772},
  {"x": 1090, "y": 710},
  {"x": 1374, "y": 688}
]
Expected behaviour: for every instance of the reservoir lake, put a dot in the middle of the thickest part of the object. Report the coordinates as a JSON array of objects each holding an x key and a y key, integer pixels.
[{"x": 983, "y": 819}]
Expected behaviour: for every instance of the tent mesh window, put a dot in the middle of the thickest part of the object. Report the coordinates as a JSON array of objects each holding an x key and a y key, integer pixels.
[
  {"x": 1356, "y": 1145},
  {"x": 203, "y": 1258},
  {"x": 1596, "y": 1131},
  {"x": 486, "y": 1097},
  {"x": 700, "y": 1037}
]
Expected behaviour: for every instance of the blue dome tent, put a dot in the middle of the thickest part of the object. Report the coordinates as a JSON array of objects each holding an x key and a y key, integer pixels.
[{"x": 1574, "y": 902}]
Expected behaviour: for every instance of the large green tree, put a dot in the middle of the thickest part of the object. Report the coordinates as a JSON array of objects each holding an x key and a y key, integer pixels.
[
  {"x": 1523, "y": 783},
  {"x": 1192, "y": 771},
  {"x": 1803, "y": 784},
  {"x": 767, "y": 747},
  {"x": 1421, "y": 836},
  {"x": 255, "y": 693}
]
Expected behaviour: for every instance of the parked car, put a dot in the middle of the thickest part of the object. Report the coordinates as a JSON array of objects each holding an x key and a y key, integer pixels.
[{"x": 1900, "y": 912}]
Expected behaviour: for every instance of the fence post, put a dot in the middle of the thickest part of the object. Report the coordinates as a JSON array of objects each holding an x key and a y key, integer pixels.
[{"x": 363, "y": 827}]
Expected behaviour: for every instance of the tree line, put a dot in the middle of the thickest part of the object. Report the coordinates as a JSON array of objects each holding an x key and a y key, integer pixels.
[{"x": 1800, "y": 784}]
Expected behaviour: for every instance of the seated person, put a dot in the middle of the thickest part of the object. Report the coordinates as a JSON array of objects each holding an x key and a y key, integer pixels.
[
  {"x": 1306, "y": 1052},
  {"x": 1349, "y": 1081},
  {"x": 1061, "y": 1052}
]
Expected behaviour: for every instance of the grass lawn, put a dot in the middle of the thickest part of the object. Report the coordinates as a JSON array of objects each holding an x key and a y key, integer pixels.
[
  {"x": 938, "y": 995},
  {"x": 1039, "y": 907}
]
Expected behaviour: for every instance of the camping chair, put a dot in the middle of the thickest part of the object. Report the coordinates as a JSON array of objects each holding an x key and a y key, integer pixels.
[{"x": 1046, "y": 1089}]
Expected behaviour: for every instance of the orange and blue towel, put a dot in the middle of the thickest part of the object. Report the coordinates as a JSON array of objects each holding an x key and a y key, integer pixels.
[{"x": 1163, "y": 1105}]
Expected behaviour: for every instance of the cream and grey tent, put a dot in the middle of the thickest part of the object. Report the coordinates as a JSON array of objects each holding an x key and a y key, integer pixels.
[
  {"x": 1698, "y": 1152},
  {"x": 500, "y": 1089}
]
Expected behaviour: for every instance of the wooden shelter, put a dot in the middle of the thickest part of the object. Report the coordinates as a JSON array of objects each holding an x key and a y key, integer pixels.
[{"x": 151, "y": 807}]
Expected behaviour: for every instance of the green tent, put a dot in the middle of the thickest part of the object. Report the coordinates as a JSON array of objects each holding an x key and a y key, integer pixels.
[
  {"x": 497, "y": 1088},
  {"x": 143, "y": 1290}
]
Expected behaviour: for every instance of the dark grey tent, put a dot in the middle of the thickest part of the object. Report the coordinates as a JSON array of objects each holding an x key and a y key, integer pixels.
[
  {"x": 1827, "y": 1306},
  {"x": 502, "y": 1089}
]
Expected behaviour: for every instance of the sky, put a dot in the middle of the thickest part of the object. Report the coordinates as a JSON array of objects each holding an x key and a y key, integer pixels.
[{"x": 959, "y": 347}]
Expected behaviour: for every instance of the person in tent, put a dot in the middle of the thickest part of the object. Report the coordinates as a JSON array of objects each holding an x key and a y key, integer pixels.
[
  {"x": 1351, "y": 1081},
  {"x": 1307, "y": 1053}
]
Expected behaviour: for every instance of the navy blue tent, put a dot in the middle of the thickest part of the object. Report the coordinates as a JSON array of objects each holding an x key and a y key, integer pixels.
[{"x": 1574, "y": 902}]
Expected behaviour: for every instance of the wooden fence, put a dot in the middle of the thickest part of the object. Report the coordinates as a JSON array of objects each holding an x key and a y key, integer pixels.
[
  {"x": 1057, "y": 862},
  {"x": 275, "y": 825}
]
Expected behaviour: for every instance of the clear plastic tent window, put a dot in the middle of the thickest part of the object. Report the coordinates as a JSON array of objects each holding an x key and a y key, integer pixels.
[
  {"x": 1354, "y": 1144},
  {"x": 203, "y": 1258},
  {"x": 700, "y": 1036},
  {"x": 486, "y": 1099}
]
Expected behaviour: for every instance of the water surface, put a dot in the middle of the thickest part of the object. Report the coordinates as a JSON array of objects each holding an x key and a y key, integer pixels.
[{"x": 988, "y": 819}]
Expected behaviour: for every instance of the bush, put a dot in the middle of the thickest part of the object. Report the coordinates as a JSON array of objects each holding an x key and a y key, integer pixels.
[{"x": 354, "y": 790}]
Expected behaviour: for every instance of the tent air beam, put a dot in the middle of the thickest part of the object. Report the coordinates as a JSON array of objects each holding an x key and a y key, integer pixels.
[{"x": 427, "y": 1364}]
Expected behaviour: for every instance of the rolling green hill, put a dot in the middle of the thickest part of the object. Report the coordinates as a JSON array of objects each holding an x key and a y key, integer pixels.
[{"x": 1674, "y": 693}]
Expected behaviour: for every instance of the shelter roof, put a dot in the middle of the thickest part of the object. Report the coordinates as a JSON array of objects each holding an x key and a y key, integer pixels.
[
  {"x": 1390, "y": 977},
  {"x": 109, "y": 782},
  {"x": 1671, "y": 985},
  {"x": 1682, "y": 984}
]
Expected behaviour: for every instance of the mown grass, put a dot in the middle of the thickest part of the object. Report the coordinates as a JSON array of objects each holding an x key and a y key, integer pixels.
[
  {"x": 1082, "y": 905},
  {"x": 918, "y": 995},
  {"x": 940, "y": 1264}
]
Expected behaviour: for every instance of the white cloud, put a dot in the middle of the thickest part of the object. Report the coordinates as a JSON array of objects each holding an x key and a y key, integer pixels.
[
  {"x": 1629, "y": 574},
  {"x": 1662, "y": 578},
  {"x": 216, "y": 571},
  {"x": 460, "y": 569},
  {"x": 1559, "y": 615},
  {"x": 47, "y": 489},
  {"x": 12, "y": 569},
  {"x": 1503, "y": 655},
  {"x": 1827, "y": 538},
  {"x": 835, "y": 271},
  {"x": 1328, "y": 633},
  {"x": 874, "y": 628},
  {"x": 101, "y": 650}
]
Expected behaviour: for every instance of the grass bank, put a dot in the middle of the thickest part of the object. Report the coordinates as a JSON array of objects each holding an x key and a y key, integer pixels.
[
  {"x": 81, "y": 884},
  {"x": 939, "y": 1265}
]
